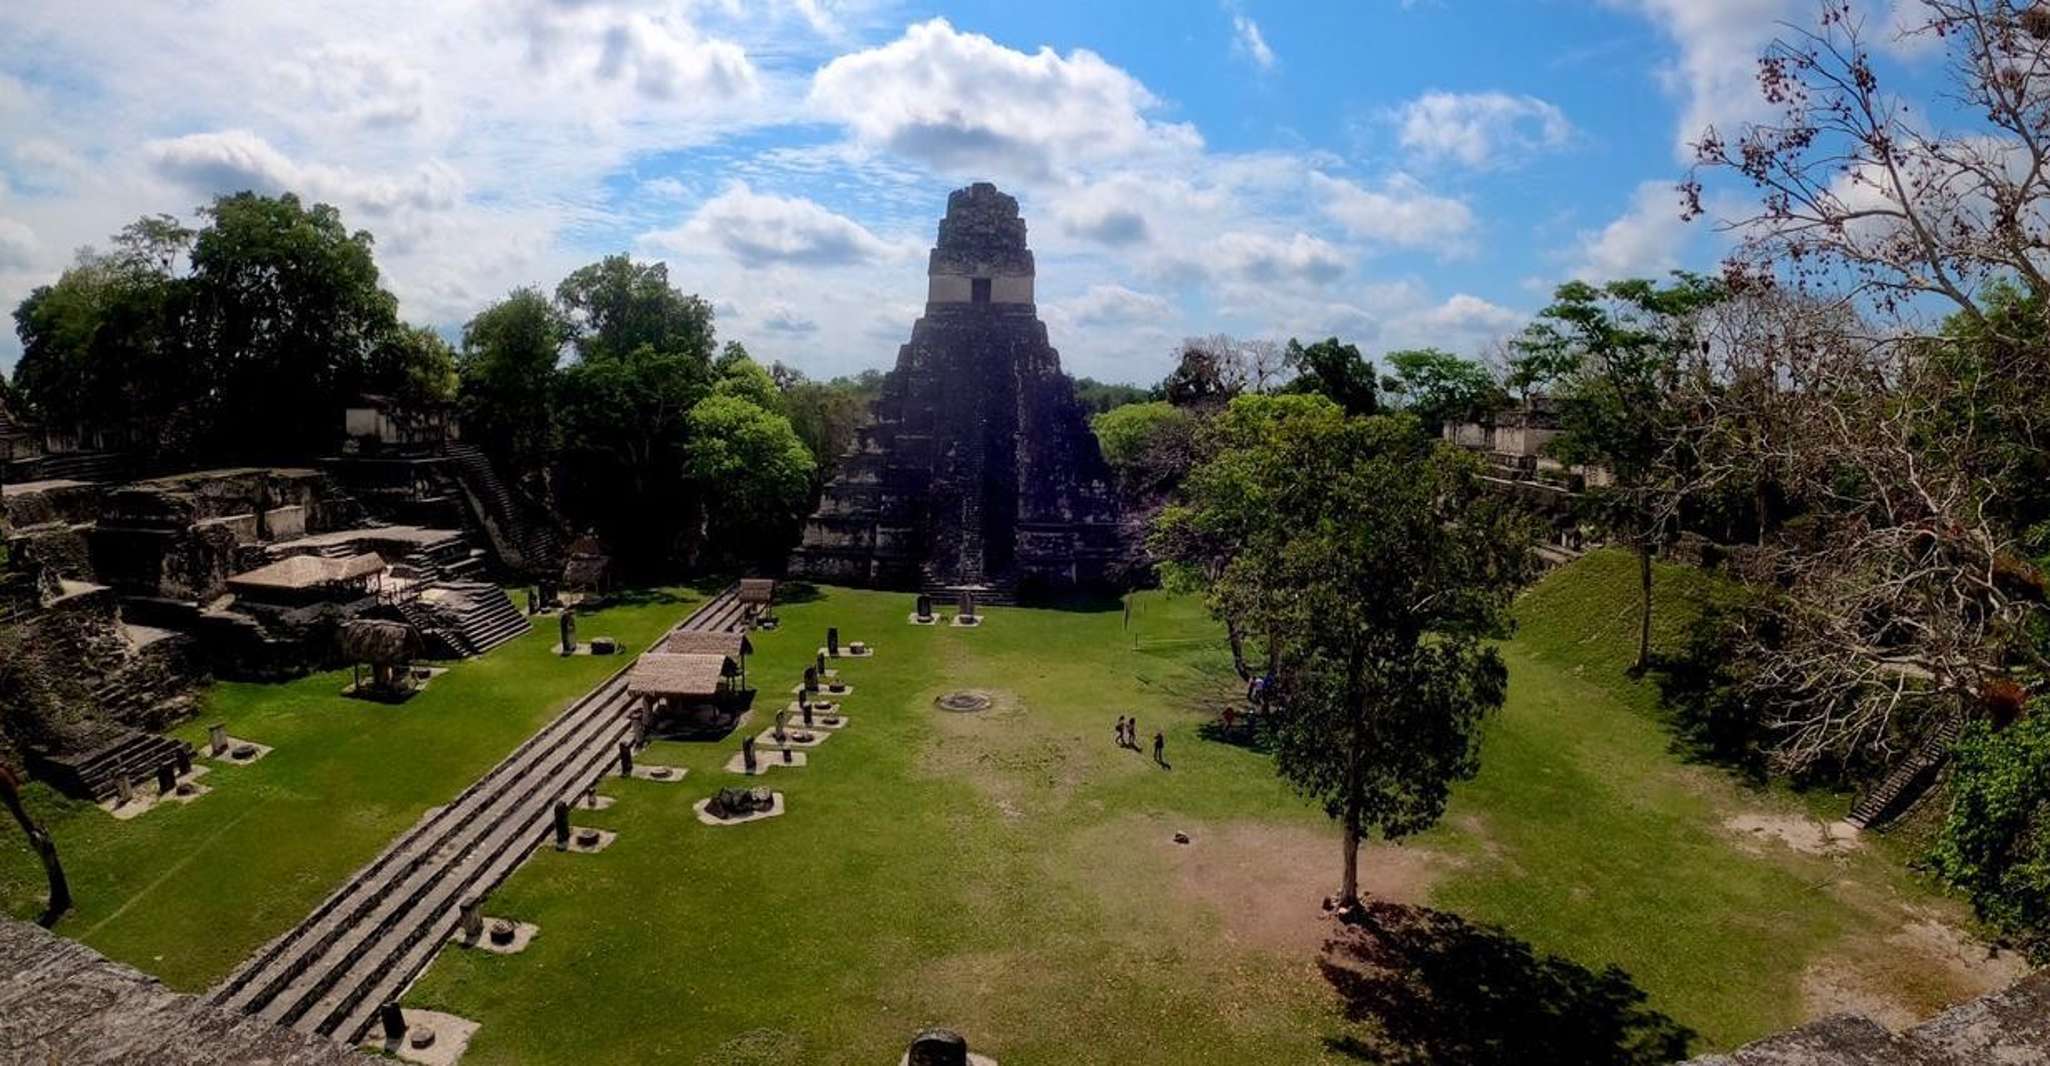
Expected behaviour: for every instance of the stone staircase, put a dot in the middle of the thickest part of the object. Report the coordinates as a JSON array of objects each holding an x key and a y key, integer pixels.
[
  {"x": 450, "y": 558},
  {"x": 992, "y": 592},
  {"x": 366, "y": 942},
  {"x": 537, "y": 544},
  {"x": 129, "y": 753},
  {"x": 81, "y": 466},
  {"x": 477, "y": 618},
  {"x": 1906, "y": 783}
]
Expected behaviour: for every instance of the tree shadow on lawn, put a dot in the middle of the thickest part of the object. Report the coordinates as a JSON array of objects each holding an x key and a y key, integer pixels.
[{"x": 1440, "y": 991}]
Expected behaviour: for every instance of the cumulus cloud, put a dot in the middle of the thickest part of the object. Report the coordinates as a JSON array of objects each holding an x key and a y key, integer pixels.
[
  {"x": 1247, "y": 41},
  {"x": 1265, "y": 258},
  {"x": 230, "y": 161},
  {"x": 759, "y": 230},
  {"x": 18, "y": 245},
  {"x": 360, "y": 85},
  {"x": 783, "y": 318},
  {"x": 665, "y": 60},
  {"x": 964, "y": 104},
  {"x": 1645, "y": 240},
  {"x": 1401, "y": 212},
  {"x": 1481, "y": 129}
]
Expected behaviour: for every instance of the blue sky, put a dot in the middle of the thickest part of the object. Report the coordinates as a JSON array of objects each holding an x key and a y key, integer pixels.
[{"x": 1396, "y": 173}]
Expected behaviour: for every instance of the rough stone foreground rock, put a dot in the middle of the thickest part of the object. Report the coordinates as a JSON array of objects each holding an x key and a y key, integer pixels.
[
  {"x": 61, "y": 1001},
  {"x": 980, "y": 466},
  {"x": 2010, "y": 1027}
]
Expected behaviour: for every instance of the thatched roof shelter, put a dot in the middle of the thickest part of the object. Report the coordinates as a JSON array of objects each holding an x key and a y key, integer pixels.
[
  {"x": 663, "y": 675},
  {"x": 708, "y": 642},
  {"x": 758, "y": 591},
  {"x": 375, "y": 640}
]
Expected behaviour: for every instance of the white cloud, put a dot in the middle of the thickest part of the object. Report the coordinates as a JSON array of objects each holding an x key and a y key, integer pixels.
[
  {"x": 1644, "y": 241},
  {"x": 1481, "y": 129},
  {"x": 361, "y": 85},
  {"x": 1104, "y": 305},
  {"x": 1716, "y": 71},
  {"x": 1247, "y": 41},
  {"x": 760, "y": 230},
  {"x": 234, "y": 160},
  {"x": 1401, "y": 213},
  {"x": 966, "y": 105},
  {"x": 1262, "y": 257},
  {"x": 18, "y": 245}
]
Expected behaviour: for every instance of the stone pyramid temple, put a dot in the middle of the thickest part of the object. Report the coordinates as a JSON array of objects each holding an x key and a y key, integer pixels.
[{"x": 979, "y": 468}]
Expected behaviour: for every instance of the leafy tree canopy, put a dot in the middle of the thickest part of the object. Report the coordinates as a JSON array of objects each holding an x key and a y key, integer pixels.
[{"x": 1336, "y": 371}]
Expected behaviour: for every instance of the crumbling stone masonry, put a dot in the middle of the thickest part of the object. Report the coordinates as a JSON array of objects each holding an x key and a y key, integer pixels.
[{"x": 979, "y": 468}]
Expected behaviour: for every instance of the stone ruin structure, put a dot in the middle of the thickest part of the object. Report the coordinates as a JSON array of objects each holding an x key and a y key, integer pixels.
[{"x": 979, "y": 468}]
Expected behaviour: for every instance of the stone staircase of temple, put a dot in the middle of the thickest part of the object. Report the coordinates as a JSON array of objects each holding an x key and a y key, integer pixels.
[
  {"x": 537, "y": 543},
  {"x": 989, "y": 592},
  {"x": 1906, "y": 783},
  {"x": 366, "y": 942}
]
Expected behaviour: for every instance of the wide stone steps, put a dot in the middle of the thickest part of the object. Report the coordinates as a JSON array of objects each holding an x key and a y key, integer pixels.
[
  {"x": 136, "y": 755},
  {"x": 368, "y": 940}
]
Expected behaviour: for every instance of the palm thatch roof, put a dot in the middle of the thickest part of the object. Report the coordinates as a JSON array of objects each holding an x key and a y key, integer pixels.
[
  {"x": 585, "y": 572},
  {"x": 375, "y": 640},
  {"x": 708, "y": 642},
  {"x": 302, "y": 572},
  {"x": 758, "y": 590},
  {"x": 661, "y": 674}
]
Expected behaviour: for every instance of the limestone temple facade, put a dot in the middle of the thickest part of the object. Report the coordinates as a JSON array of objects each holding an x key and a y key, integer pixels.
[{"x": 979, "y": 467}]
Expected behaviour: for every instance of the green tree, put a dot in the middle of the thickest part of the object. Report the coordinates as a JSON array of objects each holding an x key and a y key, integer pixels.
[
  {"x": 1097, "y": 397},
  {"x": 1149, "y": 445},
  {"x": 644, "y": 359},
  {"x": 287, "y": 309},
  {"x": 752, "y": 473},
  {"x": 827, "y": 414},
  {"x": 742, "y": 377},
  {"x": 1614, "y": 356},
  {"x": 508, "y": 371},
  {"x": 1439, "y": 387},
  {"x": 1995, "y": 843},
  {"x": 1375, "y": 564},
  {"x": 1336, "y": 371},
  {"x": 413, "y": 364}
]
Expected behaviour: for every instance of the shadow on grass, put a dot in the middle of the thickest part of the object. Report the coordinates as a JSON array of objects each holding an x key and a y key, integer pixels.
[
  {"x": 638, "y": 597},
  {"x": 1437, "y": 990},
  {"x": 793, "y": 592},
  {"x": 1242, "y": 733}
]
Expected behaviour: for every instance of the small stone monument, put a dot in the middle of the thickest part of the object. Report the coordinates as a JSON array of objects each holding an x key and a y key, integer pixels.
[
  {"x": 924, "y": 607},
  {"x": 967, "y": 606},
  {"x": 503, "y": 932},
  {"x": 789, "y": 756},
  {"x": 124, "y": 789},
  {"x": 167, "y": 779},
  {"x": 561, "y": 826},
  {"x": 937, "y": 1047},
  {"x": 833, "y": 641},
  {"x": 217, "y": 739},
  {"x": 747, "y": 753},
  {"x": 569, "y": 631},
  {"x": 803, "y": 698},
  {"x": 811, "y": 679},
  {"x": 807, "y": 714},
  {"x": 821, "y": 664},
  {"x": 473, "y": 918},
  {"x": 626, "y": 758},
  {"x": 184, "y": 759},
  {"x": 394, "y": 1021},
  {"x": 781, "y": 718},
  {"x": 533, "y": 602}
]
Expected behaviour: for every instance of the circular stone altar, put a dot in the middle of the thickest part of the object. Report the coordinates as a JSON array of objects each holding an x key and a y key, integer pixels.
[{"x": 966, "y": 701}]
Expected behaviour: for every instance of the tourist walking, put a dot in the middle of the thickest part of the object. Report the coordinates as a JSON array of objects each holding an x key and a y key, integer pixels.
[
  {"x": 1159, "y": 748},
  {"x": 1132, "y": 732},
  {"x": 1121, "y": 731}
]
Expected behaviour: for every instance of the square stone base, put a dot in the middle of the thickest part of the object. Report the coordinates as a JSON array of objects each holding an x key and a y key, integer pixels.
[
  {"x": 766, "y": 761},
  {"x": 605, "y": 839},
  {"x": 147, "y": 798},
  {"x": 523, "y": 934},
  {"x": 451, "y": 1038},
  {"x": 768, "y": 742},
  {"x": 669, "y": 774},
  {"x": 227, "y": 755}
]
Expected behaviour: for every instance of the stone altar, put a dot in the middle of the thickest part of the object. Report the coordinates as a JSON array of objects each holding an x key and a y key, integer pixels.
[{"x": 980, "y": 468}]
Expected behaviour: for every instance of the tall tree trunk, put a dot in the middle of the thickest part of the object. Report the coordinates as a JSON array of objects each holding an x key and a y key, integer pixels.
[
  {"x": 1238, "y": 650},
  {"x": 1349, "y": 887},
  {"x": 46, "y": 849},
  {"x": 1643, "y": 603}
]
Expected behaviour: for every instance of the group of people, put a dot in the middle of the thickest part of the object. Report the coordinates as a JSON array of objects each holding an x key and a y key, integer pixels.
[{"x": 1128, "y": 737}]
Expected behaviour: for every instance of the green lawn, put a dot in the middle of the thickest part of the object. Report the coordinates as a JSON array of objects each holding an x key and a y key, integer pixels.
[
  {"x": 187, "y": 891},
  {"x": 1012, "y": 873}
]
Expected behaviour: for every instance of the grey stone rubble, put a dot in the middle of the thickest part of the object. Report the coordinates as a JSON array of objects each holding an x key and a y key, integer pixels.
[
  {"x": 368, "y": 940},
  {"x": 2010, "y": 1027},
  {"x": 61, "y": 1001}
]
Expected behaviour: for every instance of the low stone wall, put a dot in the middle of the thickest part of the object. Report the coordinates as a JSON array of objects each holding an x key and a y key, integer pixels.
[
  {"x": 2008, "y": 1026},
  {"x": 64, "y": 1002}
]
